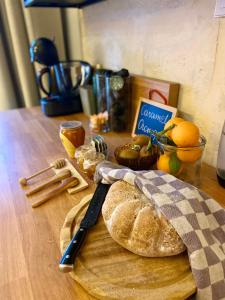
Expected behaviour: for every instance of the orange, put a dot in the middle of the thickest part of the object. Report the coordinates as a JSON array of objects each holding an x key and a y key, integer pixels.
[
  {"x": 189, "y": 155},
  {"x": 163, "y": 163},
  {"x": 185, "y": 134},
  {"x": 169, "y": 164},
  {"x": 172, "y": 121}
]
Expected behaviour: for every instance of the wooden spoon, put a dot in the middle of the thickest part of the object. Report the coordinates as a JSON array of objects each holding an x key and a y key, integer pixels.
[{"x": 67, "y": 183}]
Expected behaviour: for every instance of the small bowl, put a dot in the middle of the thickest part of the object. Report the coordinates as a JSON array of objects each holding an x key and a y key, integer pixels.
[{"x": 140, "y": 163}]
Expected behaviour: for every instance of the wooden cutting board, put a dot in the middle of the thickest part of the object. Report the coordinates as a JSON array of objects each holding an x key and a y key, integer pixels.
[
  {"x": 141, "y": 86},
  {"x": 108, "y": 271}
]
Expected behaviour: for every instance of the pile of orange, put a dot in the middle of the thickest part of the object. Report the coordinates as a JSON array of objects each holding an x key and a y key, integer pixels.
[
  {"x": 169, "y": 164},
  {"x": 186, "y": 136}
]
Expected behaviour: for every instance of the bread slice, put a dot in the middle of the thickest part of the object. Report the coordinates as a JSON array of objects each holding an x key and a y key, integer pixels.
[{"x": 136, "y": 225}]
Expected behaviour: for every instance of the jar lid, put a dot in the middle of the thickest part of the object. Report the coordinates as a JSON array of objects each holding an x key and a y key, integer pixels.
[{"x": 70, "y": 125}]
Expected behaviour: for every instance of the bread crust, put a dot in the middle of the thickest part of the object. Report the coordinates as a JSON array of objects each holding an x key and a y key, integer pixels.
[{"x": 136, "y": 225}]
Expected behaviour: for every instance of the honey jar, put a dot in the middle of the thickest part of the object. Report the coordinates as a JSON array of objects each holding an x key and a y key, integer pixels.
[{"x": 72, "y": 135}]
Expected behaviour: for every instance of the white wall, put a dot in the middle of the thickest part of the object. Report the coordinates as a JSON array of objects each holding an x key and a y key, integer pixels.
[
  {"x": 177, "y": 40},
  {"x": 73, "y": 34}
]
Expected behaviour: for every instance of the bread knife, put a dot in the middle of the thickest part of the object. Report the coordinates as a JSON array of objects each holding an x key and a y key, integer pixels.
[{"x": 89, "y": 220}]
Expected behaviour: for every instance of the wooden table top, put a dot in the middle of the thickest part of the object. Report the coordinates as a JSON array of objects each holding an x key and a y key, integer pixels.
[{"x": 29, "y": 239}]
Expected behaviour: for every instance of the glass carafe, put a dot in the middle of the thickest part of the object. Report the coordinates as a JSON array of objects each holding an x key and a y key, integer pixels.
[{"x": 221, "y": 159}]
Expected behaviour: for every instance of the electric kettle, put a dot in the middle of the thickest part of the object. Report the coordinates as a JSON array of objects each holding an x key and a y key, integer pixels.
[{"x": 63, "y": 78}]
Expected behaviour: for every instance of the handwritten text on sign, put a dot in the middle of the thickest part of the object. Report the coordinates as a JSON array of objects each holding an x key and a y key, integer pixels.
[{"x": 152, "y": 116}]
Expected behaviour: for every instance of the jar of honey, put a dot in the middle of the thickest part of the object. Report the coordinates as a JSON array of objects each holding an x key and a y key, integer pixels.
[{"x": 72, "y": 135}]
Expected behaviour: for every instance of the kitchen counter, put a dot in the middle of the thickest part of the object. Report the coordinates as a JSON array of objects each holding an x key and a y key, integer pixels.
[{"x": 29, "y": 238}]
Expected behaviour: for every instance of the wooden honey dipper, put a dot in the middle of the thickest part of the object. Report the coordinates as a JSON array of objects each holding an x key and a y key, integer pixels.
[{"x": 57, "y": 164}]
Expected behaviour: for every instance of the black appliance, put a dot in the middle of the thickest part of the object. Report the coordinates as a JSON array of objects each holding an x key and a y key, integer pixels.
[
  {"x": 60, "y": 3},
  {"x": 63, "y": 79}
]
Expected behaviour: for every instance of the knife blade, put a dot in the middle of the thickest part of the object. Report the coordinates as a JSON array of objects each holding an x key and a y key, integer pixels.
[{"x": 89, "y": 220}]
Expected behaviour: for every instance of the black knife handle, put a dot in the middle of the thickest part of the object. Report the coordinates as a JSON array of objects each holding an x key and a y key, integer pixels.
[{"x": 67, "y": 260}]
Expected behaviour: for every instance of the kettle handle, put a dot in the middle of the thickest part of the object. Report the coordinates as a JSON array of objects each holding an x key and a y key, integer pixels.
[{"x": 40, "y": 83}]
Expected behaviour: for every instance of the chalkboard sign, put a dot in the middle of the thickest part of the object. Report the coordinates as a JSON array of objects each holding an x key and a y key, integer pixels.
[{"x": 151, "y": 116}]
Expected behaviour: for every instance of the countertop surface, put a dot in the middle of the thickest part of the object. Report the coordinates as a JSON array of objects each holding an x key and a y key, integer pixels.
[{"x": 29, "y": 239}]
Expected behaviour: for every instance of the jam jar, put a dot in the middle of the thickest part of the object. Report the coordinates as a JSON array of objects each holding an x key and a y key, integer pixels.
[{"x": 72, "y": 135}]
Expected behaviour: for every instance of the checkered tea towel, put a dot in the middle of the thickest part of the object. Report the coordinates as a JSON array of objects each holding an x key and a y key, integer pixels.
[{"x": 198, "y": 219}]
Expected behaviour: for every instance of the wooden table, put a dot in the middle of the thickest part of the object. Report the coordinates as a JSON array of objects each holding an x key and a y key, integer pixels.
[{"x": 29, "y": 238}]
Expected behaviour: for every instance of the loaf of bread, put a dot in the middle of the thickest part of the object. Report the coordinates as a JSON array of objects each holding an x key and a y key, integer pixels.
[{"x": 136, "y": 225}]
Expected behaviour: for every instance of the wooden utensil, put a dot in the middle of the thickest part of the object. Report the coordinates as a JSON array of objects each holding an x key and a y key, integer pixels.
[
  {"x": 108, "y": 271},
  {"x": 58, "y": 164},
  {"x": 67, "y": 183},
  {"x": 56, "y": 178},
  {"x": 83, "y": 183}
]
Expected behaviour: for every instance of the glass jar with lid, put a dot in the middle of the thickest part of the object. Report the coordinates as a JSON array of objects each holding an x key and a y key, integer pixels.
[
  {"x": 182, "y": 162},
  {"x": 72, "y": 135},
  {"x": 118, "y": 99}
]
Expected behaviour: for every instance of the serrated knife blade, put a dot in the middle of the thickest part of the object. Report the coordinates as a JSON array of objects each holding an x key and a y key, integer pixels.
[{"x": 90, "y": 219}]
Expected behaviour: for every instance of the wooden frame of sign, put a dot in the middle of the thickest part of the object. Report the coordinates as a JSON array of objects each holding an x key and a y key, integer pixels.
[
  {"x": 143, "y": 86},
  {"x": 151, "y": 115}
]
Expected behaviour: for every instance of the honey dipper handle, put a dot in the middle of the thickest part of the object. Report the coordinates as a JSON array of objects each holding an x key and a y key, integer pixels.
[
  {"x": 40, "y": 172},
  {"x": 56, "y": 178},
  {"x": 23, "y": 181},
  {"x": 67, "y": 183}
]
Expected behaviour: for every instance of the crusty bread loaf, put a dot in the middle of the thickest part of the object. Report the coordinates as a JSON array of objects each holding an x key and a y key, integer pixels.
[{"x": 136, "y": 225}]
